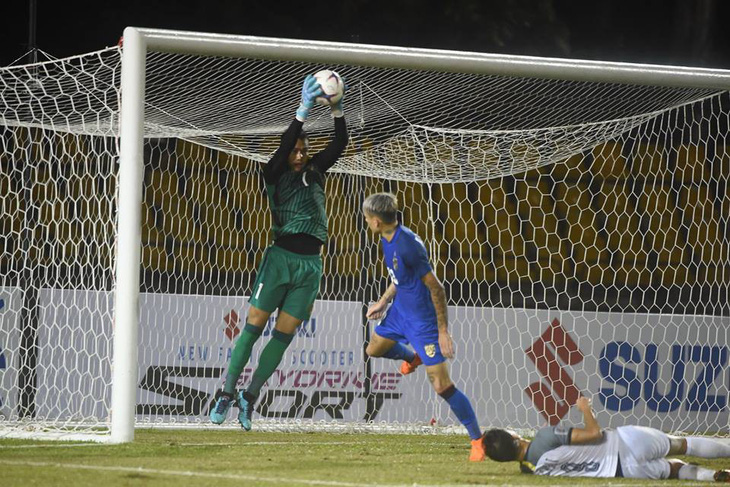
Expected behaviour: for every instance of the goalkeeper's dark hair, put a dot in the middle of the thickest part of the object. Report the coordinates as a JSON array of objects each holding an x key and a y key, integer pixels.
[
  {"x": 382, "y": 205},
  {"x": 302, "y": 136},
  {"x": 501, "y": 446}
]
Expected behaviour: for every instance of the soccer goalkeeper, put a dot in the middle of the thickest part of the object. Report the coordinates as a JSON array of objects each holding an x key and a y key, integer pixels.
[{"x": 290, "y": 271}]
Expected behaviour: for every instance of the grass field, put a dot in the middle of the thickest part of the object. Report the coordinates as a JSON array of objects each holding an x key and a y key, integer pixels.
[{"x": 229, "y": 457}]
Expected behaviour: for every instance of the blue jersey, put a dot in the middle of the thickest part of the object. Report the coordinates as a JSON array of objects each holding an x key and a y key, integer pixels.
[{"x": 407, "y": 262}]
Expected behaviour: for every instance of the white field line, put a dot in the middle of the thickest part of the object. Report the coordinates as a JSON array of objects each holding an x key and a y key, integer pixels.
[
  {"x": 248, "y": 443},
  {"x": 58, "y": 445},
  {"x": 241, "y": 443},
  {"x": 255, "y": 478},
  {"x": 238, "y": 443}
]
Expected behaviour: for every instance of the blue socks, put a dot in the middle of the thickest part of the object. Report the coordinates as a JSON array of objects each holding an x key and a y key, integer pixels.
[
  {"x": 462, "y": 409},
  {"x": 400, "y": 352},
  {"x": 456, "y": 399}
]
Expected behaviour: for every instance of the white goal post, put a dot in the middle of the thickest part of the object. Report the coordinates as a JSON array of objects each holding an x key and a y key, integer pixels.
[{"x": 576, "y": 210}]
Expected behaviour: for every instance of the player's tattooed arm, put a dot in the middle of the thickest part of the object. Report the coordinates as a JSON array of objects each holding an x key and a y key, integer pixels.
[{"x": 438, "y": 296}]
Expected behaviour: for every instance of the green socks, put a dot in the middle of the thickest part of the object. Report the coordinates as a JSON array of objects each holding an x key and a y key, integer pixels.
[
  {"x": 269, "y": 360},
  {"x": 241, "y": 354}
]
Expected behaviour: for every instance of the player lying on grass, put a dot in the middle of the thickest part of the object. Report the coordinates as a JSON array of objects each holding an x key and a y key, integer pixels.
[
  {"x": 290, "y": 271},
  {"x": 628, "y": 451},
  {"x": 418, "y": 315}
]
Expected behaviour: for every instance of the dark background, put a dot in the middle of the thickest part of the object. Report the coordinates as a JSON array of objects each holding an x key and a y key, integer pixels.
[{"x": 678, "y": 32}]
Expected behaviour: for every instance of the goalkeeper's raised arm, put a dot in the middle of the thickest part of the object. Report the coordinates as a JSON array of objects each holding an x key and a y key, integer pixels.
[{"x": 293, "y": 151}]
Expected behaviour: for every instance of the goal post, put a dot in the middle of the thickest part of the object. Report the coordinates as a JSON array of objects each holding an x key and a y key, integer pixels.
[
  {"x": 576, "y": 211},
  {"x": 129, "y": 240},
  {"x": 430, "y": 59}
]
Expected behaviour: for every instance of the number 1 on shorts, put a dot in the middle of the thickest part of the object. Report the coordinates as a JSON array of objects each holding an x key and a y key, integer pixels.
[{"x": 258, "y": 291}]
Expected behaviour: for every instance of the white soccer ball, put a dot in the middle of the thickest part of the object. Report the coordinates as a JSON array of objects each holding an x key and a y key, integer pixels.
[{"x": 332, "y": 87}]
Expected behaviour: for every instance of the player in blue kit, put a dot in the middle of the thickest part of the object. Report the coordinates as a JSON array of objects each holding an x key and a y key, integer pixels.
[{"x": 418, "y": 315}]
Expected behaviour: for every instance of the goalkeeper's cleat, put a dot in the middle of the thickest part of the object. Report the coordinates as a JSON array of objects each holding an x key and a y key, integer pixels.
[
  {"x": 409, "y": 367},
  {"x": 219, "y": 411},
  {"x": 722, "y": 476},
  {"x": 477, "y": 450},
  {"x": 245, "y": 405}
]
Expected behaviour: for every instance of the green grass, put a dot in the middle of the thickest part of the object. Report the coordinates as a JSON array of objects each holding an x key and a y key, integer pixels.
[{"x": 228, "y": 457}]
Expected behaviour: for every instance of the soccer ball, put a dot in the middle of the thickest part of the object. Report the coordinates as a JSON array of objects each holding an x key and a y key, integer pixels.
[{"x": 332, "y": 87}]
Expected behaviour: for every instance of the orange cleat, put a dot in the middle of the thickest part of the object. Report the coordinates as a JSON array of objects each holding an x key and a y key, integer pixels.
[
  {"x": 409, "y": 367},
  {"x": 477, "y": 450}
]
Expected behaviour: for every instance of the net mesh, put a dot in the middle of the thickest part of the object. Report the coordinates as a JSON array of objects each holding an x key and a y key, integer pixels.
[{"x": 580, "y": 229}]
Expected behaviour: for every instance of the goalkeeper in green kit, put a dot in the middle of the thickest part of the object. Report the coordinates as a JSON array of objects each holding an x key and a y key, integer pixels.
[{"x": 289, "y": 273}]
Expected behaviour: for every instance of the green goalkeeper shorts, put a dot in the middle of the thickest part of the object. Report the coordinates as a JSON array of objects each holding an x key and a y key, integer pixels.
[{"x": 287, "y": 281}]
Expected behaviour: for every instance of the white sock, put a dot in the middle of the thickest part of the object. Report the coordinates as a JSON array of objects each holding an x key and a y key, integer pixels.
[
  {"x": 707, "y": 447},
  {"x": 693, "y": 472}
]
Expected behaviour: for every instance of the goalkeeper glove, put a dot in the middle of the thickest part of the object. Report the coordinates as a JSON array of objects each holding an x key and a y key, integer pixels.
[{"x": 310, "y": 91}]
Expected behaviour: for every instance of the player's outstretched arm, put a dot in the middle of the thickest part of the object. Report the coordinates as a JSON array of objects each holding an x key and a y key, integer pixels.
[
  {"x": 327, "y": 158},
  {"x": 278, "y": 164},
  {"x": 591, "y": 431},
  {"x": 376, "y": 311},
  {"x": 438, "y": 296}
]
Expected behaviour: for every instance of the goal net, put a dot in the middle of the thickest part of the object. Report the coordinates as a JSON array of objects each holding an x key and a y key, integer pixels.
[{"x": 580, "y": 227}]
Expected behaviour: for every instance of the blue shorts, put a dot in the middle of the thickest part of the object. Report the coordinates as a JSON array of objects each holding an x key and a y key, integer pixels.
[{"x": 422, "y": 335}]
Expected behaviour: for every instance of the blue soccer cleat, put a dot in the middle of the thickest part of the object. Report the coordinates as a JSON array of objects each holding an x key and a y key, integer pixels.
[
  {"x": 219, "y": 411},
  {"x": 245, "y": 405}
]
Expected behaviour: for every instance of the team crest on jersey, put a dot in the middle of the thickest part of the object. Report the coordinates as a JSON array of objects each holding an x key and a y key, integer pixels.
[
  {"x": 395, "y": 262},
  {"x": 430, "y": 350}
]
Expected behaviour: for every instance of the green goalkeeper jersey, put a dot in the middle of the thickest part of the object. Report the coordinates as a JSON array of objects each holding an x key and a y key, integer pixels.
[
  {"x": 296, "y": 198},
  {"x": 297, "y": 204}
]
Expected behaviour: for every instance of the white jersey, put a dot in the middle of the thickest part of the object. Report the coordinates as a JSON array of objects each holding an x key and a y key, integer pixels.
[{"x": 594, "y": 460}]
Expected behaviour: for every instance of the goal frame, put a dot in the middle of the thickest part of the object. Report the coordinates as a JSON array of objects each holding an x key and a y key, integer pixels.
[{"x": 137, "y": 42}]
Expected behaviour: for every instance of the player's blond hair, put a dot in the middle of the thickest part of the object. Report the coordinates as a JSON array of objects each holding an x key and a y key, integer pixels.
[{"x": 383, "y": 206}]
